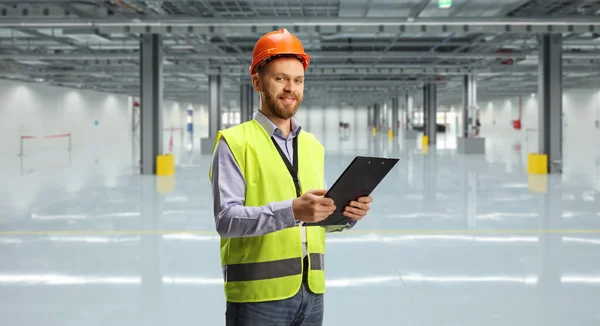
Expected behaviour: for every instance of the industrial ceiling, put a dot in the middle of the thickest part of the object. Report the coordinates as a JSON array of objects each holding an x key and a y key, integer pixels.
[{"x": 363, "y": 51}]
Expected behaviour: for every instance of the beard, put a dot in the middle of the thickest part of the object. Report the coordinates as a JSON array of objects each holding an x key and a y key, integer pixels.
[{"x": 282, "y": 110}]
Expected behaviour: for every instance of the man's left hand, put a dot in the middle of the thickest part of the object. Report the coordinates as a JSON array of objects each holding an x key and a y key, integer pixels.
[{"x": 358, "y": 209}]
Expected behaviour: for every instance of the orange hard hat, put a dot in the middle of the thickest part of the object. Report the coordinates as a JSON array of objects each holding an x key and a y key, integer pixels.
[{"x": 277, "y": 44}]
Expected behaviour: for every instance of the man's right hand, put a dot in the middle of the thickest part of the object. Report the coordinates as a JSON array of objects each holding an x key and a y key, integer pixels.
[{"x": 312, "y": 206}]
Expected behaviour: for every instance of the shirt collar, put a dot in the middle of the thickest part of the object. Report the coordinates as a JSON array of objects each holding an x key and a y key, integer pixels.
[{"x": 272, "y": 129}]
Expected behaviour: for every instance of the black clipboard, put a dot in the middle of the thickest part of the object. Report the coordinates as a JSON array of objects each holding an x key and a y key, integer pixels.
[{"x": 359, "y": 179}]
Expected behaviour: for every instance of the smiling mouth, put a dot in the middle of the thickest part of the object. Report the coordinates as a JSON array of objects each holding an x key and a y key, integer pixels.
[{"x": 287, "y": 99}]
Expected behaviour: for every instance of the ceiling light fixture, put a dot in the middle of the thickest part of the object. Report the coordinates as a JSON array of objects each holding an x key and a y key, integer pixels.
[{"x": 444, "y": 4}]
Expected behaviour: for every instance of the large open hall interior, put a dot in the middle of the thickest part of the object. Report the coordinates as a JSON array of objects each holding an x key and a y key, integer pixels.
[{"x": 110, "y": 111}]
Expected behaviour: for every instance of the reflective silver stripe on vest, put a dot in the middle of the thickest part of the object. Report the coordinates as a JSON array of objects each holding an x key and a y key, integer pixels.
[
  {"x": 317, "y": 261},
  {"x": 263, "y": 270}
]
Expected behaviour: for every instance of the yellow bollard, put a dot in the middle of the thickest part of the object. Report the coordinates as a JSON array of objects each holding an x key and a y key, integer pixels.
[
  {"x": 165, "y": 165},
  {"x": 374, "y": 131},
  {"x": 424, "y": 141},
  {"x": 537, "y": 163},
  {"x": 390, "y": 133}
]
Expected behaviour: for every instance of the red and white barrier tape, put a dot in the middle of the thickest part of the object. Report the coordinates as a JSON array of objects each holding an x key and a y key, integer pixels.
[
  {"x": 57, "y": 136},
  {"x": 21, "y": 153}
]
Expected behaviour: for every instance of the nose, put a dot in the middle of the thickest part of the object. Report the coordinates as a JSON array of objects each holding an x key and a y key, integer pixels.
[{"x": 288, "y": 86}]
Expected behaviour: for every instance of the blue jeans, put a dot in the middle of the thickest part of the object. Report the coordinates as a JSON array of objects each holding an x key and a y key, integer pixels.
[{"x": 303, "y": 309}]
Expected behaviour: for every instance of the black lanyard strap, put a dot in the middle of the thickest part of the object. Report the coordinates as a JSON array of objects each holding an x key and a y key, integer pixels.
[{"x": 293, "y": 169}]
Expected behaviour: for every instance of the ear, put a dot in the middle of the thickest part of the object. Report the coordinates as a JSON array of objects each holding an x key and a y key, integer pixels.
[{"x": 256, "y": 83}]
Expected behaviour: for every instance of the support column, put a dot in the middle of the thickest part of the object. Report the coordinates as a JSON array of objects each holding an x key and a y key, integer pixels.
[
  {"x": 385, "y": 117},
  {"x": 378, "y": 109},
  {"x": 409, "y": 133},
  {"x": 250, "y": 112},
  {"x": 376, "y": 116},
  {"x": 425, "y": 109},
  {"x": 395, "y": 116},
  {"x": 214, "y": 103},
  {"x": 426, "y": 139},
  {"x": 467, "y": 142},
  {"x": 550, "y": 104},
  {"x": 244, "y": 103},
  {"x": 409, "y": 110},
  {"x": 432, "y": 114},
  {"x": 214, "y": 113},
  {"x": 151, "y": 96},
  {"x": 469, "y": 104}
]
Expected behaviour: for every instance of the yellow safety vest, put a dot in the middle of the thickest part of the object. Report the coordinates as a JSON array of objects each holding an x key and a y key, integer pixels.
[{"x": 269, "y": 267}]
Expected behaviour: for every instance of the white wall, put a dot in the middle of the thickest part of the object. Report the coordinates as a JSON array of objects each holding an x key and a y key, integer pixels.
[
  {"x": 40, "y": 110},
  {"x": 174, "y": 124},
  {"x": 581, "y": 138},
  {"x": 200, "y": 121}
]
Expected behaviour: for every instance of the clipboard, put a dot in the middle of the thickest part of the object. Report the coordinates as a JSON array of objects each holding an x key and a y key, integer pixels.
[{"x": 359, "y": 179}]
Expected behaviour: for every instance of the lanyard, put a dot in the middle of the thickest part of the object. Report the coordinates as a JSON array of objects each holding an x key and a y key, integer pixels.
[{"x": 293, "y": 169}]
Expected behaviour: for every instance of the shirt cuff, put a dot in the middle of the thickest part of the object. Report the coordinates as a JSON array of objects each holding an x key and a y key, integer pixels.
[{"x": 284, "y": 212}]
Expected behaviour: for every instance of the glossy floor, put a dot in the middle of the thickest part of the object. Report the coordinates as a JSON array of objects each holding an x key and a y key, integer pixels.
[{"x": 451, "y": 239}]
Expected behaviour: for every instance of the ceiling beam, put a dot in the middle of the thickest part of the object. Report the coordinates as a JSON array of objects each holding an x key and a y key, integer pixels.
[
  {"x": 330, "y": 55},
  {"x": 419, "y": 8},
  {"x": 458, "y": 9},
  {"x": 327, "y": 25},
  {"x": 512, "y": 7}
]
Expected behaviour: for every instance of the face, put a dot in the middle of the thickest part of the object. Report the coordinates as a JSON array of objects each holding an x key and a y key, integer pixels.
[{"x": 282, "y": 83}]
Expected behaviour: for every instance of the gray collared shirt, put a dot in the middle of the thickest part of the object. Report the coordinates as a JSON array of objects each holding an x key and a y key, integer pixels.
[{"x": 232, "y": 218}]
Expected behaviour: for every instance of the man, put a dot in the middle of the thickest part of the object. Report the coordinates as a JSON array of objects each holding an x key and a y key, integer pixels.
[{"x": 268, "y": 179}]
